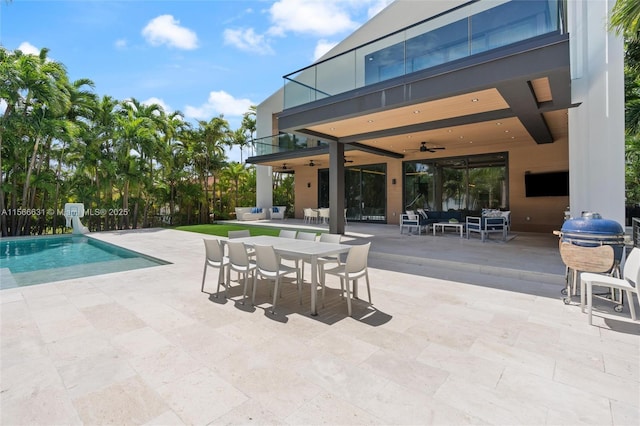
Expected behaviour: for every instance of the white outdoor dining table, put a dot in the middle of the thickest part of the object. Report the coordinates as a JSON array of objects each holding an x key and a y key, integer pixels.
[{"x": 308, "y": 251}]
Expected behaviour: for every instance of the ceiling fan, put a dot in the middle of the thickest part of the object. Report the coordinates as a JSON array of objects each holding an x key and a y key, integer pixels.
[
  {"x": 347, "y": 161},
  {"x": 284, "y": 168},
  {"x": 312, "y": 163},
  {"x": 425, "y": 148}
]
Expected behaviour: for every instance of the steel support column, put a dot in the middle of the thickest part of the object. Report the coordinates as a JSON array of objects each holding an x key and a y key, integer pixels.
[{"x": 336, "y": 187}]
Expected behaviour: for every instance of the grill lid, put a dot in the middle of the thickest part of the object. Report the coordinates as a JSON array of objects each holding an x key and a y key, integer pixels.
[{"x": 592, "y": 224}]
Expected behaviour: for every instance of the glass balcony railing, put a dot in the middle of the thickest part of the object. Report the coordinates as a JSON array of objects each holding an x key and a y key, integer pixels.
[
  {"x": 285, "y": 142},
  {"x": 477, "y": 27}
]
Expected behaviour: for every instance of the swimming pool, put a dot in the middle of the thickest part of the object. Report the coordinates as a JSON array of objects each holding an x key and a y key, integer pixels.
[{"x": 35, "y": 260}]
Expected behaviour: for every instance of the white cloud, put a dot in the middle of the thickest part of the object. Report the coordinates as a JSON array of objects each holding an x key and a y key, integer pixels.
[
  {"x": 166, "y": 30},
  {"x": 317, "y": 17},
  {"x": 247, "y": 40},
  {"x": 121, "y": 44},
  {"x": 28, "y": 48},
  {"x": 322, "y": 47},
  {"x": 154, "y": 100},
  {"x": 219, "y": 103}
]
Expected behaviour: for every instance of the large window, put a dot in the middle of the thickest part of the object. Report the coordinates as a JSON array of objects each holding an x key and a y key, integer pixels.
[
  {"x": 365, "y": 192},
  {"x": 459, "y": 183}
]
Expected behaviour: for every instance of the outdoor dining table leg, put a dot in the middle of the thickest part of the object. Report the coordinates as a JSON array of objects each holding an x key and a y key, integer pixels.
[{"x": 314, "y": 284}]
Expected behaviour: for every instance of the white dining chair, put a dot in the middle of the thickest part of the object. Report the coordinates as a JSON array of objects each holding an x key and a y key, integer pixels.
[
  {"x": 310, "y": 215},
  {"x": 214, "y": 257},
  {"x": 270, "y": 267},
  {"x": 286, "y": 233},
  {"x": 354, "y": 268},
  {"x": 629, "y": 283},
  {"x": 322, "y": 261},
  {"x": 306, "y": 236},
  {"x": 243, "y": 233},
  {"x": 239, "y": 261},
  {"x": 238, "y": 234},
  {"x": 324, "y": 215}
]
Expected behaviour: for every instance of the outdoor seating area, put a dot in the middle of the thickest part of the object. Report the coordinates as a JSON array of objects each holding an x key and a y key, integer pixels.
[
  {"x": 486, "y": 225},
  {"x": 250, "y": 213},
  {"x": 490, "y": 222},
  {"x": 298, "y": 246}
]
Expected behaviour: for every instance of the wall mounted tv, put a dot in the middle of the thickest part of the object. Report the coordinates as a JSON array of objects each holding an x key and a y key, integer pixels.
[{"x": 552, "y": 184}]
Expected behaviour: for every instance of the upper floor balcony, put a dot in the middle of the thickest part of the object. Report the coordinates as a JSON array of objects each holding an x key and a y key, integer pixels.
[{"x": 476, "y": 27}]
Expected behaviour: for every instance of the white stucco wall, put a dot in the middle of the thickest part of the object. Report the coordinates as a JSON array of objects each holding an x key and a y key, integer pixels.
[
  {"x": 596, "y": 127},
  {"x": 264, "y": 128}
]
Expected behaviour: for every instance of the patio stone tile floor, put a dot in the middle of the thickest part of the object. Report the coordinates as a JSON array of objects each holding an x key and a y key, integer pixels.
[{"x": 460, "y": 332}]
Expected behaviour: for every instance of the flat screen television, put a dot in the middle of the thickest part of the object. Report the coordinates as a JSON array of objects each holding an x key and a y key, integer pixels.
[{"x": 551, "y": 184}]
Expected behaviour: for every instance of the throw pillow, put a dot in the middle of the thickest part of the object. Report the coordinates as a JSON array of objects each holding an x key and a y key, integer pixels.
[
  {"x": 274, "y": 210},
  {"x": 254, "y": 210}
]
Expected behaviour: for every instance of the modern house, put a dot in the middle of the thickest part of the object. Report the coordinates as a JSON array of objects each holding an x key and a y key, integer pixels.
[{"x": 456, "y": 105}]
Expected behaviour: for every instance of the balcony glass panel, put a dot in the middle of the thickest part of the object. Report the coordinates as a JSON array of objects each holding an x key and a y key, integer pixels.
[
  {"x": 381, "y": 60},
  {"x": 475, "y": 28},
  {"x": 335, "y": 76},
  {"x": 439, "y": 46},
  {"x": 285, "y": 142},
  {"x": 301, "y": 88},
  {"x": 509, "y": 23}
]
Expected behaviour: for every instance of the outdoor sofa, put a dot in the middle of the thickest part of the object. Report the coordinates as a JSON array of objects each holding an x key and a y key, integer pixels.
[{"x": 250, "y": 213}]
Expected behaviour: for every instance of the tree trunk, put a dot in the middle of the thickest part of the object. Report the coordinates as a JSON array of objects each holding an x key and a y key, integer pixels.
[
  {"x": 125, "y": 206},
  {"x": 26, "y": 186}
]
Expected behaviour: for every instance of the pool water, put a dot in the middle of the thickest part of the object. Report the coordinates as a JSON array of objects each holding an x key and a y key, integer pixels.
[{"x": 35, "y": 260}]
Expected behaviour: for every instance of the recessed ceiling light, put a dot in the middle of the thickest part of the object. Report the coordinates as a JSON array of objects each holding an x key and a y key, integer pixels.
[
  {"x": 474, "y": 100},
  {"x": 461, "y": 137},
  {"x": 506, "y": 131},
  {"x": 417, "y": 111},
  {"x": 332, "y": 128},
  {"x": 498, "y": 124},
  {"x": 449, "y": 130},
  {"x": 369, "y": 121}
]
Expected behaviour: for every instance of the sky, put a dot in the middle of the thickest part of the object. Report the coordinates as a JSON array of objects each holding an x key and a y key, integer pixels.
[{"x": 201, "y": 57}]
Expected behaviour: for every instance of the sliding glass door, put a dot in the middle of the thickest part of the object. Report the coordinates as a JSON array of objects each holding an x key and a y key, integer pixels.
[
  {"x": 467, "y": 183},
  {"x": 365, "y": 192}
]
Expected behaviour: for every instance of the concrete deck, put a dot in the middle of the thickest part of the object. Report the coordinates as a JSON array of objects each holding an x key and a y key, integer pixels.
[{"x": 461, "y": 332}]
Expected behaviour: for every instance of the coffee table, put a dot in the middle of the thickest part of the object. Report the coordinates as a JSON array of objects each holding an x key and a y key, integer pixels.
[{"x": 444, "y": 225}]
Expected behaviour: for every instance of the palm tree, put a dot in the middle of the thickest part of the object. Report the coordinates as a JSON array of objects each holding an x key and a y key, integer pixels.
[
  {"x": 625, "y": 18},
  {"x": 208, "y": 142},
  {"x": 175, "y": 158},
  {"x": 41, "y": 97},
  {"x": 235, "y": 173},
  {"x": 248, "y": 126},
  {"x": 83, "y": 105},
  {"x": 239, "y": 139}
]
